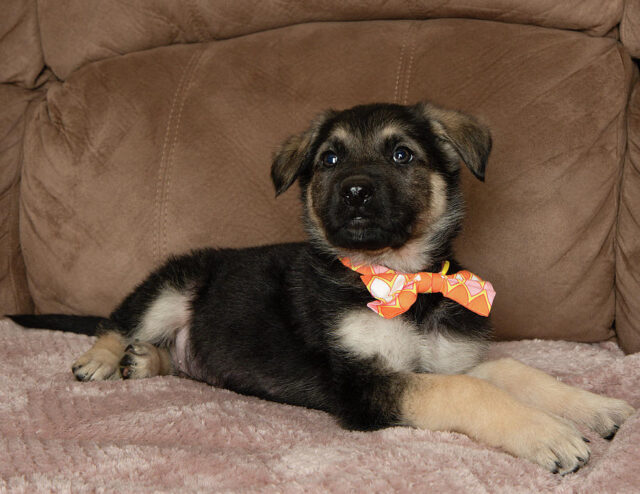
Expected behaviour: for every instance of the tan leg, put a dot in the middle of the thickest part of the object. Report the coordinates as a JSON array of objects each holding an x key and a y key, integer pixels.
[
  {"x": 143, "y": 359},
  {"x": 484, "y": 412},
  {"x": 536, "y": 388},
  {"x": 102, "y": 360}
]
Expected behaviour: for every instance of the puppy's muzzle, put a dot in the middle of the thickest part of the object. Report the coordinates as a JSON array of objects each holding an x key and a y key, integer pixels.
[{"x": 357, "y": 190}]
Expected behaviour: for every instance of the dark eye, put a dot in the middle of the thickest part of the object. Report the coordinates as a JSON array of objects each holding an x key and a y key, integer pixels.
[
  {"x": 330, "y": 159},
  {"x": 402, "y": 155}
]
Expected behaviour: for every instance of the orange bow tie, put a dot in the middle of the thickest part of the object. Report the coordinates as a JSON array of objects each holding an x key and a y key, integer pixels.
[{"x": 396, "y": 292}]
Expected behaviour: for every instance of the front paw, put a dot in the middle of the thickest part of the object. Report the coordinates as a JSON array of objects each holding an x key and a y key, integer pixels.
[
  {"x": 96, "y": 365},
  {"x": 141, "y": 360},
  {"x": 100, "y": 363},
  {"x": 549, "y": 441},
  {"x": 602, "y": 414}
]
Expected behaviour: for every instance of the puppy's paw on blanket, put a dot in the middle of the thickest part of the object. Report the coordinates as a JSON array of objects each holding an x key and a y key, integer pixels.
[
  {"x": 100, "y": 363},
  {"x": 143, "y": 359},
  {"x": 602, "y": 414},
  {"x": 549, "y": 441}
]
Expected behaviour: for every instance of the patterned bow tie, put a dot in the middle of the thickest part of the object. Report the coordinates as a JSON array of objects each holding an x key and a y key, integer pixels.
[{"x": 395, "y": 292}]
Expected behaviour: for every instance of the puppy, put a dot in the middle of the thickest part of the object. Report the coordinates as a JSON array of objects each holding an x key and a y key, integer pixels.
[{"x": 296, "y": 323}]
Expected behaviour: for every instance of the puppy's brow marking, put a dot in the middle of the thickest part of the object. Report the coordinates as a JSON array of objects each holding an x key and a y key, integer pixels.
[
  {"x": 342, "y": 134},
  {"x": 392, "y": 130}
]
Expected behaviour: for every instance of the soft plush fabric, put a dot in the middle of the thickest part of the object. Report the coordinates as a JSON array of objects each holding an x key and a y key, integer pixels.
[
  {"x": 628, "y": 238},
  {"x": 169, "y": 434},
  {"x": 137, "y": 157}
]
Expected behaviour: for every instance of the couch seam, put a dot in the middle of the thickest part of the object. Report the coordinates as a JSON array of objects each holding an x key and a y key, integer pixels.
[
  {"x": 14, "y": 212},
  {"x": 405, "y": 65},
  {"x": 40, "y": 43},
  {"x": 161, "y": 170},
  {"x": 400, "y": 66},
  {"x": 408, "y": 74},
  {"x": 15, "y": 209},
  {"x": 622, "y": 157},
  {"x": 38, "y": 98},
  {"x": 196, "y": 62},
  {"x": 166, "y": 158}
]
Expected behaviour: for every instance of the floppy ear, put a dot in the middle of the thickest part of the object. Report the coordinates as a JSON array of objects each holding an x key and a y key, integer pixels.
[
  {"x": 294, "y": 154},
  {"x": 470, "y": 139}
]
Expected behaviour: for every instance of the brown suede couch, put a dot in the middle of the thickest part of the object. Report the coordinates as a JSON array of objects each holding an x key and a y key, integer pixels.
[{"x": 131, "y": 130}]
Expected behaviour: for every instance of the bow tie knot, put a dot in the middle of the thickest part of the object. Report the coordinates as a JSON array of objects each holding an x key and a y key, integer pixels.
[{"x": 395, "y": 292}]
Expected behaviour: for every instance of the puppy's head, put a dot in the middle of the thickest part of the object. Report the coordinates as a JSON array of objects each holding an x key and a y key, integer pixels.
[{"x": 380, "y": 182}]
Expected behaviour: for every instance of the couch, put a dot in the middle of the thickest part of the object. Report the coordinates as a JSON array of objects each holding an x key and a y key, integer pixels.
[{"x": 133, "y": 130}]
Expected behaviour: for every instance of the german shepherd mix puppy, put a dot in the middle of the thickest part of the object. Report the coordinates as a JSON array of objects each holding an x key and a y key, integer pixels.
[{"x": 290, "y": 322}]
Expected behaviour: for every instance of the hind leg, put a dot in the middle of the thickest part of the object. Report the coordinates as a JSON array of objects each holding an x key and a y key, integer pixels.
[
  {"x": 101, "y": 361},
  {"x": 138, "y": 347},
  {"x": 111, "y": 358},
  {"x": 142, "y": 359}
]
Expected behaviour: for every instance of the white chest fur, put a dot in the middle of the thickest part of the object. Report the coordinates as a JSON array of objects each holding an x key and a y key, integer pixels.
[{"x": 402, "y": 347}]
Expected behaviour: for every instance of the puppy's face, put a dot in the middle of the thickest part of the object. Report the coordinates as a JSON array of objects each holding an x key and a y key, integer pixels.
[{"x": 380, "y": 182}]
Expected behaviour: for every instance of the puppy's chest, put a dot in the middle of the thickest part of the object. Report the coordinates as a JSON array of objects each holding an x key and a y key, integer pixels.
[{"x": 403, "y": 346}]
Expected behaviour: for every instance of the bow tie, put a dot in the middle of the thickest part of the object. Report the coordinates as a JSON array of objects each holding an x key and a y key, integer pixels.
[{"x": 395, "y": 292}]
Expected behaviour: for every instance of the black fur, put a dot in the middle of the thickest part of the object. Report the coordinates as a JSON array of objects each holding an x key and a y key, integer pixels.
[
  {"x": 89, "y": 325},
  {"x": 263, "y": 319}
]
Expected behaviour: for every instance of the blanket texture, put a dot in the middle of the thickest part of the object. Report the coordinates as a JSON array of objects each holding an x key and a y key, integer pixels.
[{"x": 169, "y": 434}]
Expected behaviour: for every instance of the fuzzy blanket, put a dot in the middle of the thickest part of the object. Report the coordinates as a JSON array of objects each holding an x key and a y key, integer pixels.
[{"x": 168, "y": 434}]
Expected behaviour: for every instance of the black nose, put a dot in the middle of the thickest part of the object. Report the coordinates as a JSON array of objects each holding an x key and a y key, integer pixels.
[{"x": 357, "y": 190}]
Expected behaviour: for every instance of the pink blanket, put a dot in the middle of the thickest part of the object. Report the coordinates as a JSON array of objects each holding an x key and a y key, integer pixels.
[{"x": 168, "y": 434}]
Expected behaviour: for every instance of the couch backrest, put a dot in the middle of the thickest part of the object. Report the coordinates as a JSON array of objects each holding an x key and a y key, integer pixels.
[
  {"x": 168, "y": 147},
  {"x": 627, "y": 280}
]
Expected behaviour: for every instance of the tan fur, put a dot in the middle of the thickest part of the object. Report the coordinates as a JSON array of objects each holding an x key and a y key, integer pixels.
[
  {"x": 287, "y": 160},
  {"x": 147, "y": 360},
  {"x": 390, "y": 131},
  {"x": 468, "y": 138},
  {"x": 341, "y": 134},
  {"x": 449, "y": 124},
  {"x": 538, "y": 389},
  {"x": 290, "y": 154},
  {"x": 484, "y": 412},
  {"x": 102, "y": 360}
]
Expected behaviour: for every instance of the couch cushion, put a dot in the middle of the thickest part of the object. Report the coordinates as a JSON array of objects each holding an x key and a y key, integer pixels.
[
  {"x": 104, "y": 28},
  {"x": 21, "y": 60},
  {"x": 630, "y": 27},
  {"x": 14, "y": 293},
  {"x": 628, "y": 238},
  {"x": 139, "y": 156}
]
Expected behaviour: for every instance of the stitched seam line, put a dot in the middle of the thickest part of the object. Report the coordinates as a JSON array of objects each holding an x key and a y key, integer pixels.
[
  {"x": 193, "y": 64},
  {"x": 400, "y": 65},
  {"x": 412, "y": 48},
  {"x": 162, "y": 172}
]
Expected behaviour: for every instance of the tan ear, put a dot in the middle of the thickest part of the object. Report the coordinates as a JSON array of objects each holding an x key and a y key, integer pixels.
[
  {"x": 294, "y": 154},
  {"x": 470, "y": 139}
]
